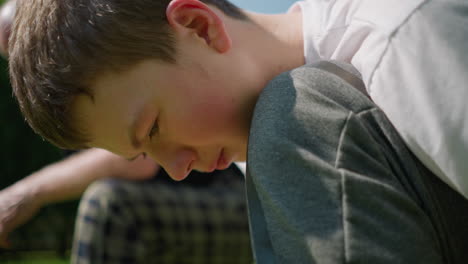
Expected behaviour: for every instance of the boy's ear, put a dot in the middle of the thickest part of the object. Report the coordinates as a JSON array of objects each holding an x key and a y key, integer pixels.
[{"x": 195, "y": 16}]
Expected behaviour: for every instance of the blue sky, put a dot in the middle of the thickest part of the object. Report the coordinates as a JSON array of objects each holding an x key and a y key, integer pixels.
[{"x": 264, "y": 6}]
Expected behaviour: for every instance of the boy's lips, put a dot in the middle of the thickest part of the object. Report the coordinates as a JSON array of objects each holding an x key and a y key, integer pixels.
[{"x": 222, "y": 162}]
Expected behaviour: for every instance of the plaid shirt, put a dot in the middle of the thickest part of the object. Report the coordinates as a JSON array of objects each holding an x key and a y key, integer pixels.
[{"x": 160, "y": 221}]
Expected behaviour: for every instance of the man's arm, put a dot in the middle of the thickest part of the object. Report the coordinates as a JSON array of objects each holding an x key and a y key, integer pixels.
[{"x": 64, "y": 180}]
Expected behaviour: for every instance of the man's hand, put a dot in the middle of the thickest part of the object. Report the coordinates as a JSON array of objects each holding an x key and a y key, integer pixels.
[{"x": 17, "y": 206}]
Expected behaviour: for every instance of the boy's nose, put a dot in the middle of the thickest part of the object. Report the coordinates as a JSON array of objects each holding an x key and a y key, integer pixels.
[{"x": 177, "y": 164}]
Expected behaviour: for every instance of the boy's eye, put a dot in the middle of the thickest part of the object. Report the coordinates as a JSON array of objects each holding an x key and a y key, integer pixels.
[{"x": 154, "y": 130}]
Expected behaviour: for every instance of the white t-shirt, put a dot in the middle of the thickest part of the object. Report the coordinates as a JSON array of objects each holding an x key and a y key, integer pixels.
[
  {"x": 242, "y": 167},
  {"x": 413, "y": 57}
]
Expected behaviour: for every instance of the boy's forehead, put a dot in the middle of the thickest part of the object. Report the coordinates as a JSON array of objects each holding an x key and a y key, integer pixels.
[
  {"x": 80, "y": 114},
  {"x": 103, "y": 120},
  {"x": 117, "y": 101}
]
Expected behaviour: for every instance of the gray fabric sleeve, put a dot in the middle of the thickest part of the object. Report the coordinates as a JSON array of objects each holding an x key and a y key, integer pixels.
[{"x": 328, "y": 180}]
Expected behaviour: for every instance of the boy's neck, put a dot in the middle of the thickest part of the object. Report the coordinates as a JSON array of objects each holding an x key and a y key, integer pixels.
[
  {"x": 264, "y": 47},
  {"x": 280, "y": 42}
]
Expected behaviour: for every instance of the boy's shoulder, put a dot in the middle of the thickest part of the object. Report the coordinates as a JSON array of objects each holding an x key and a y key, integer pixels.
[
  {"x": 304, "y": 93},
  {"x": 300, "y": 104}
]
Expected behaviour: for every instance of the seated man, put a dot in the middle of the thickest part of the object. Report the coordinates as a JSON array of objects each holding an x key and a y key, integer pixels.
[{"x": 133, "y": 212}]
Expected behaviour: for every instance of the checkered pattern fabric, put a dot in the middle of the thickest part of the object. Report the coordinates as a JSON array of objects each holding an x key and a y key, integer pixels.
[{"x": 160, "y": 221}]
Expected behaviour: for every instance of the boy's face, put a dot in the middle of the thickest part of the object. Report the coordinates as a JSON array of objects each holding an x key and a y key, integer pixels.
[
  {"x": 184, "y": 117},
  {"x": 194, "y": 114}
]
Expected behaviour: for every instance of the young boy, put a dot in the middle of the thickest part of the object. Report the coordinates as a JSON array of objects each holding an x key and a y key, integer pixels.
[
  {"x": 203, "y": 217},
  {"x": 178, "y": 81}
]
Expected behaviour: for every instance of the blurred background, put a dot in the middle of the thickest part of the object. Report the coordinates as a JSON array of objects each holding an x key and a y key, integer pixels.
[
  {"x": 264, "y": 6},
  {"x": 47, "y": 239},
  {"x": 22, "y": 152}
]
